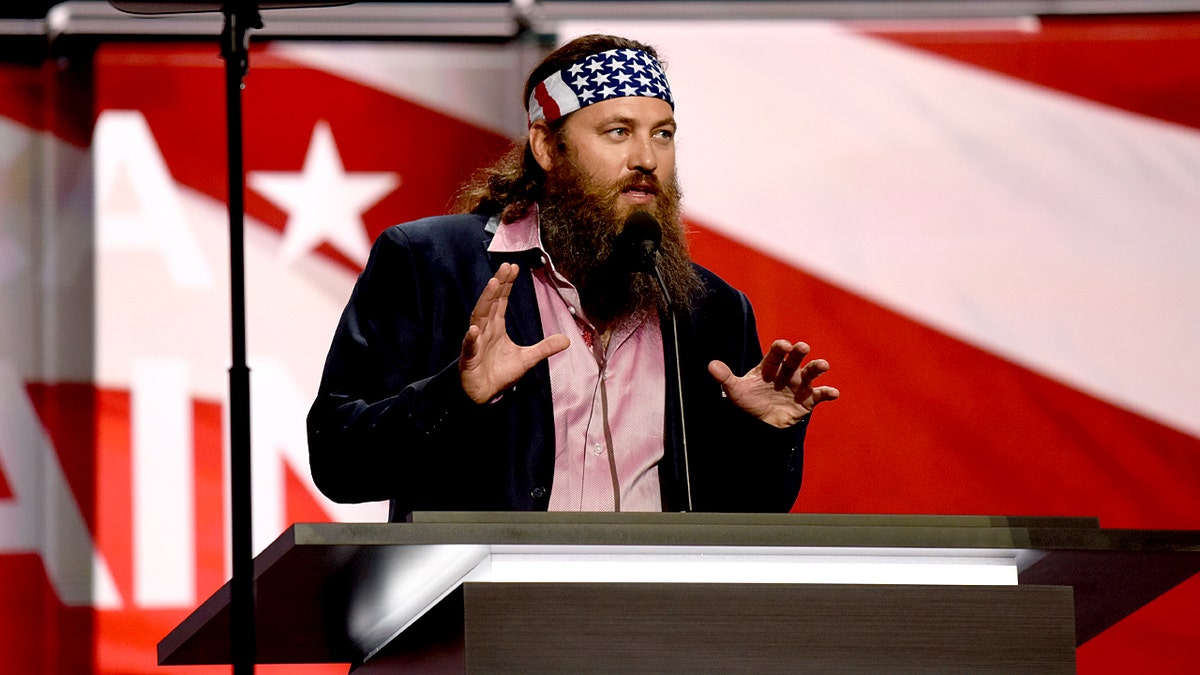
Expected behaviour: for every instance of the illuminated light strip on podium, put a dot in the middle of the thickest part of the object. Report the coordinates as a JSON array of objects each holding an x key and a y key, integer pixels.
[
  {"x": 765, "y": 565},
  {"x": 417, "y": 578}
]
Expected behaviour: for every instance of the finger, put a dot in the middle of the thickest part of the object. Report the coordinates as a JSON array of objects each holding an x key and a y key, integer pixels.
[
  {"x": 791, "y": 363},
  {"x": 495, "y": 319},
  {"x": 822, "y": 394},
  {"x": 497, "y": 287},
  {"x": 506, "y": 275},
  {"x": 804, "y": 390},
  {"x": 773, "y": 360},
  {"x": 811, "y": 371},
  {"x": 483, "y": 306}
]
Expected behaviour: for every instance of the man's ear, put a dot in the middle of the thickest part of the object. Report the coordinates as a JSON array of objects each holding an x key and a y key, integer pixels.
[{"x": 540, "y": 138}]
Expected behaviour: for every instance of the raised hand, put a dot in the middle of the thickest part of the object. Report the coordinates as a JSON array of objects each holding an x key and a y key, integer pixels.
[
  {"x": 490, "y": 361},
  {"x": 779, "y": 390}
]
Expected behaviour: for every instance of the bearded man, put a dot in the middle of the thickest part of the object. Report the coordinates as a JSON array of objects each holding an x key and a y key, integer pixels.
[{"x": 510, "y": 357}]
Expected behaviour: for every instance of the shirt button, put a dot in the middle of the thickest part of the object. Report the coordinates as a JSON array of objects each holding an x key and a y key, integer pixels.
[
  {"x": 599, "y": 449},
  {"x": 571, "y": 310},
  {"x": 538, "y": 492}
]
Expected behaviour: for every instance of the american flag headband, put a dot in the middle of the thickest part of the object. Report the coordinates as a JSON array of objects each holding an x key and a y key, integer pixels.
[{"x": 612, "y": 74}]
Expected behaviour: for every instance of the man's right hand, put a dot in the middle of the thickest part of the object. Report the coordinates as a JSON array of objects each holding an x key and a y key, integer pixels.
[{"x": 490, "y": 361}]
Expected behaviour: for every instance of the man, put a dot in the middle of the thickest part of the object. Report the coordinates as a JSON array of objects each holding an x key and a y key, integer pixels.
[{"x": 512, "y": 358}]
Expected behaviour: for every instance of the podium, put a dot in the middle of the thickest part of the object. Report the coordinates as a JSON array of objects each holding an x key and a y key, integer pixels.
[{"x": 688, "y": 592}]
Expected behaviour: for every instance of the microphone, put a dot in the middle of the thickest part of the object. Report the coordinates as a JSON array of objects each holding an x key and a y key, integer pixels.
[{"x": 638, "y": 245}]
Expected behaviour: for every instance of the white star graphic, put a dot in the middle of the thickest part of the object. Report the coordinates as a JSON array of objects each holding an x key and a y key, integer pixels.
[{"x": 323, "y": 201}]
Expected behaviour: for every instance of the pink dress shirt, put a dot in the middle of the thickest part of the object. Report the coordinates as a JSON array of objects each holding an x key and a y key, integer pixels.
[{"x": 608, "y": 399}]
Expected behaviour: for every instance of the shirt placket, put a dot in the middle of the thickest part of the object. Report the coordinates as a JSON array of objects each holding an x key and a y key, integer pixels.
[{"x": 599, "y": 456}]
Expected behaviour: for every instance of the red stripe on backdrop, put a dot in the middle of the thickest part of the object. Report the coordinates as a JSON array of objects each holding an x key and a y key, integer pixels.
[
  {"x": 209, "y": 434},
  {"x": 67, "y": 412},
  {"x": 1149, "y": 65},
  {"x": 180, "y": 90},
  {"x": 23, "y": 94},
  {"x": 90, "y": 431},
  {"x": 5, "y": 489},
  {"x": 49, "y": 97},
  {"x": 116, "y": 652},
  {"x": 1162, "y": 637},
  {"x": 37, "y": 633},
  {"x": 929, "y": 424}
]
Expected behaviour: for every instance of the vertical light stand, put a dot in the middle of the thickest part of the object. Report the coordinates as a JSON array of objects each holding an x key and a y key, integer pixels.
[{"x": 240, "y": 17}]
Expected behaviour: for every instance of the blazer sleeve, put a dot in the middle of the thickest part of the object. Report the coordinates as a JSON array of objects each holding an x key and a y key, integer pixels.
[
  {"x": 742, "y": 463},
  {"x": 390, "y": 398}
]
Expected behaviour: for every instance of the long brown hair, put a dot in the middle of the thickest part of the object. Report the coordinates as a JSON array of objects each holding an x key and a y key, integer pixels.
[{"x": 514, "y": 183}]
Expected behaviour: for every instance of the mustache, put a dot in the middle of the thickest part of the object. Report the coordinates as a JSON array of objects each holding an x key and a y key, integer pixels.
[{"x": 644, "y": 181}]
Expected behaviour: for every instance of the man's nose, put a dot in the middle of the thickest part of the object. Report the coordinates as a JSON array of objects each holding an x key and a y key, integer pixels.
[{"x": 642, "y": 156}]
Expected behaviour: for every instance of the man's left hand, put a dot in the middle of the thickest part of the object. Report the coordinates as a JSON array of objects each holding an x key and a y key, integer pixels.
[{"x": 779, "y": 390}]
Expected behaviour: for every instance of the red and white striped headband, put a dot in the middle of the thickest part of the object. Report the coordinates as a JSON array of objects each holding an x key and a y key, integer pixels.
[{"x": 599, "y": 77}]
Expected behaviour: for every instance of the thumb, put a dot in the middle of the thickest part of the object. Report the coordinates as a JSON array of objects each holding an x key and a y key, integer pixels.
[
  {"x": 720, "y": 372},
  {"x": 548, "y": 347}
]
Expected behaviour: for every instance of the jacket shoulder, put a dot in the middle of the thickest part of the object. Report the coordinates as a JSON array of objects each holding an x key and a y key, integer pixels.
[
  {"x": 439, "y": 230},
  {"x": 717, "y": 293}
]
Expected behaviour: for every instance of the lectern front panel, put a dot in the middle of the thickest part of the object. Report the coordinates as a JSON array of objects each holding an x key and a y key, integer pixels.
[{"x": 534, "y": 627}]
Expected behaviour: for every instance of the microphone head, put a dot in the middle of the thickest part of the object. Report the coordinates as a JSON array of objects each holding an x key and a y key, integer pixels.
[
  {"x": 638, "y": 242},
  {"x": 643, "y": 229}
]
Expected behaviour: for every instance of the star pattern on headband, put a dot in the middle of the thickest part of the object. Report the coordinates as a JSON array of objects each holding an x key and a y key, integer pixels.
[{"x": 617, "y": 73}]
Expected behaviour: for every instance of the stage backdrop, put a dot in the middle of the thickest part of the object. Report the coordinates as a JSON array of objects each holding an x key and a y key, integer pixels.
[{"x": 989, "y": 229}]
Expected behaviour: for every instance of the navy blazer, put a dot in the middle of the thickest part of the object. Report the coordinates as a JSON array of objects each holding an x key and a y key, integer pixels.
[{"x": 391, "y": 421}]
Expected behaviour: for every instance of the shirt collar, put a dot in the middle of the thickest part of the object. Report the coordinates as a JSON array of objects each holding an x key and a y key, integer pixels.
[{"x": 520, "y": 236}]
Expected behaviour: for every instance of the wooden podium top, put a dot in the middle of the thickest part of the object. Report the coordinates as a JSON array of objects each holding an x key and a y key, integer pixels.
[{"x": 335, "y": 592}]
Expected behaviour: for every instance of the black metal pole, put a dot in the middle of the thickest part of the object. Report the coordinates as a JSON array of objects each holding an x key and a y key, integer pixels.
[{"x": 239, "y": 18}]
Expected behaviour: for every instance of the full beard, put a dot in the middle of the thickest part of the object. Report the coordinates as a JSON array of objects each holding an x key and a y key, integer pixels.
[{"x": 579, "y": 222}]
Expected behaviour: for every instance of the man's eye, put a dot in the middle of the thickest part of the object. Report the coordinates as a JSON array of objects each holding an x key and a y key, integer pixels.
[
  {"x": 618, "y": 131},
  {"x": 665, "y": 134}
]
